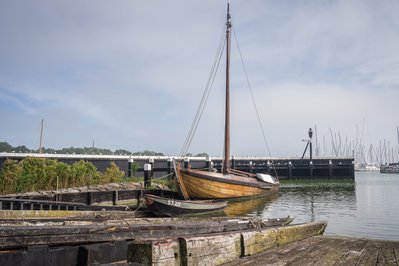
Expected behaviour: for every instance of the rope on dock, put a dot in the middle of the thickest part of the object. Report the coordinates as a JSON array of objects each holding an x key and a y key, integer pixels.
[{"x": 257, "y": 222}]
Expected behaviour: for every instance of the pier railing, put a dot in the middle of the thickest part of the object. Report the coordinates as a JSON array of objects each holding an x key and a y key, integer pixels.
[{"x": 284, "y": 168}]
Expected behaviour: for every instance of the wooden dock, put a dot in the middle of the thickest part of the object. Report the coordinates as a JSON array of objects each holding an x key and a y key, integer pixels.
[
  {"x": 118, "y": 237},
  {"x": 111, "y": 237},
  {"x": 327, "y": 250}
]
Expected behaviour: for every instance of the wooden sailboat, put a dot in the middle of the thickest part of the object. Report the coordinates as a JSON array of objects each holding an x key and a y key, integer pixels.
[{"x": 230, "y": 183}]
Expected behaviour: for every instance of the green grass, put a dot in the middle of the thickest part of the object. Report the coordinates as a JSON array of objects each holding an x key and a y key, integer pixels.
[{"x": 317, "y": 183}]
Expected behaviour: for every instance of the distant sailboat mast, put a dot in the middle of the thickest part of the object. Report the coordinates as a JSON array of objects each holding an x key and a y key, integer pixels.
[
  {"x": 226, "y": 162},
  {"x": 41, "y": 136}
]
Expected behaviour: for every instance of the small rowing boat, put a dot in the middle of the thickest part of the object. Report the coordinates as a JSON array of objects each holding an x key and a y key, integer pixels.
[{"x": 174, "y": 207}]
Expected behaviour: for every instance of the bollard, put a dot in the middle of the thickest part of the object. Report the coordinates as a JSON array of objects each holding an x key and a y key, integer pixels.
[
  {"x": 233, "y": 162},
  {"x": 114, "y": 197},
  {"x": 208, "y": 164},
  {"x": 289, "y": 170},
  {"x": 129, "y": 167},
  {"x": 311, "y": 169},
  {"x": 330, "y": 169},
  {"x": 169, "y": 165},
  {"x": 147, "y": 175},
  {"x": 151, "y": 161},
  {"x": 268, "y": 167},
  {"x": 186, "y": 163},
  {"x": 251, "y": 167}
]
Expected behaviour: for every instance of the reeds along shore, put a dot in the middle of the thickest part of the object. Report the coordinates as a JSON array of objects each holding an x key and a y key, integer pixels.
[{"x": 33, "y": 174}]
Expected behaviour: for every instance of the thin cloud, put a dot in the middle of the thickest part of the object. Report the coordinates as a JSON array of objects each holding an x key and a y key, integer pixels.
[{"x": 130, "y": 74}]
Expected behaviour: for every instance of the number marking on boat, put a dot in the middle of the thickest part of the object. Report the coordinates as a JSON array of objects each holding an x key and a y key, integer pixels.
[{"x": 174, "y": 203}]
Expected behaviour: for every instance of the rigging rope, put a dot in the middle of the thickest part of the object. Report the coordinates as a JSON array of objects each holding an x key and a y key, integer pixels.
[
  {"x": 208, "y": 89},
  {"x": 252, "y": 96},
  {"x": 205, "y": 96}
]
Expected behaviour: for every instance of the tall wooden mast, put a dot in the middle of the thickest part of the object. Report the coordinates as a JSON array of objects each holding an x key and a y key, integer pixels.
[{"x": 226, "y": 163}]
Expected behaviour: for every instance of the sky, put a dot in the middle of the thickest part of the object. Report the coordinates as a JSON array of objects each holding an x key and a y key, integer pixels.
[{"x": 130, "y": 74}]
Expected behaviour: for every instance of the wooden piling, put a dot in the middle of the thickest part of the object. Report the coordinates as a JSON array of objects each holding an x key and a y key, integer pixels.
[
  {"x": 210, "y": 250},
  {"x": 217, "y": 249},
  {"x": 130, "y": 167},
  {"x": 169, "y": 165},
  {"x": 209, "y": 164},
  {"x": 251, "y": 167},
  {"x": 311, "y": 167},
  {"x": 154, "y": 252},
  {"x": 147, "y": 175}
]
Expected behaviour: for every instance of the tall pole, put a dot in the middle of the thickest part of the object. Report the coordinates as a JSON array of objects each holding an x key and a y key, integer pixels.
[
  {"x": 41, "y": 136},
  {"x": 317, "y": 144},
  {"x": 226, "y": 163},
  {"x": 310, "y": 133},
  {"x": 397, "y": 132}
]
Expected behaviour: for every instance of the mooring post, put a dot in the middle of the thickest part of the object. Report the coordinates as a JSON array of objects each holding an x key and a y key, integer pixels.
[
  {"x": 114, "y": 197},
  {"x": 289, "y": 170},
  {"x": 311, "y": 168},
  {"x": 169, "y": 165},
  {"x": 151, "y": 161},
  {"x": 250, "y": 167},
  {"x": 147, "y": 175},
  {"x": 233, "y": 162},
  {"x": 186, "y": 163},
  {"x": 330, "y": 169},
  {"x": 268, "y": 167},
  {"x": 90, "y": 198},
  {"x": 310, "y": 133},
  {"x": 208, "y": 164},
  {"x": 129, "y": 167}
]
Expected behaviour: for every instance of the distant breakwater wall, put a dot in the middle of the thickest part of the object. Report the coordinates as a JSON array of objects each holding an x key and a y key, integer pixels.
[{"x": 284, "y": 168}]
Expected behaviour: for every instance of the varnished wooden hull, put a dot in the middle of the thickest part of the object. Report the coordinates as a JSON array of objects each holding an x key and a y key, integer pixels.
[{"x": 208, "y": 185}]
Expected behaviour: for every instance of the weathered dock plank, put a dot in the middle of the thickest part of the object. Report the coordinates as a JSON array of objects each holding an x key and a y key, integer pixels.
[
  {"x": 155, "y": 252},
  {"x": 263, "y": 239},
  {"x": 216, "y": 249},
  {"x": 352, "y": 253},
  {"x": 386, "y": 255},
  {"x": 327, "y": 250},
  {"x": 283, "y": 255},
  {"x": 307, "y": 252},
  {"x": 26, "y": 235},
  {"x": 369, "y": 254},
  {"x": 173, "y": 242},
  {"x": 292, "y": 233}
]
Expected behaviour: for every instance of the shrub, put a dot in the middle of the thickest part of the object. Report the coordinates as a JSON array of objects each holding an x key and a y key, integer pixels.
[
  {"x": 112, "y": 174},
  {"x": 32, "y": 174},
  {"x": 9, "y": 176}
]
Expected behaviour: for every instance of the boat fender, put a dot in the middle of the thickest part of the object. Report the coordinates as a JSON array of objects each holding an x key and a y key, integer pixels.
[{"x": 265, "y": 178}]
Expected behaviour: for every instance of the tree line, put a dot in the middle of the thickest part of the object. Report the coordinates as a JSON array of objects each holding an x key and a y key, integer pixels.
[
  {"x": 33, "y": 174},
  {"x": 6, "y": 147}
]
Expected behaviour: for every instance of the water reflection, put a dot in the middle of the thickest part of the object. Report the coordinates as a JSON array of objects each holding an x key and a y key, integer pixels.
[
  {"x": 305, "y": 201},
  {"x": 254, "y": 206},
  {"x": 366, "y": 207},
  {"x": 314, "y": 202}
]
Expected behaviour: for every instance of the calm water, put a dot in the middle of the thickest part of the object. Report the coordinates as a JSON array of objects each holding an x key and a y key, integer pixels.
[{"x": 367, "y": 207}]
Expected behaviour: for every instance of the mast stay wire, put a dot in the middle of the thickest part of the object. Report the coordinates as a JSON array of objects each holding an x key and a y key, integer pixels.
[
  {"x": 205, "y": 95},
  {"x": 252, "y": 96}
]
